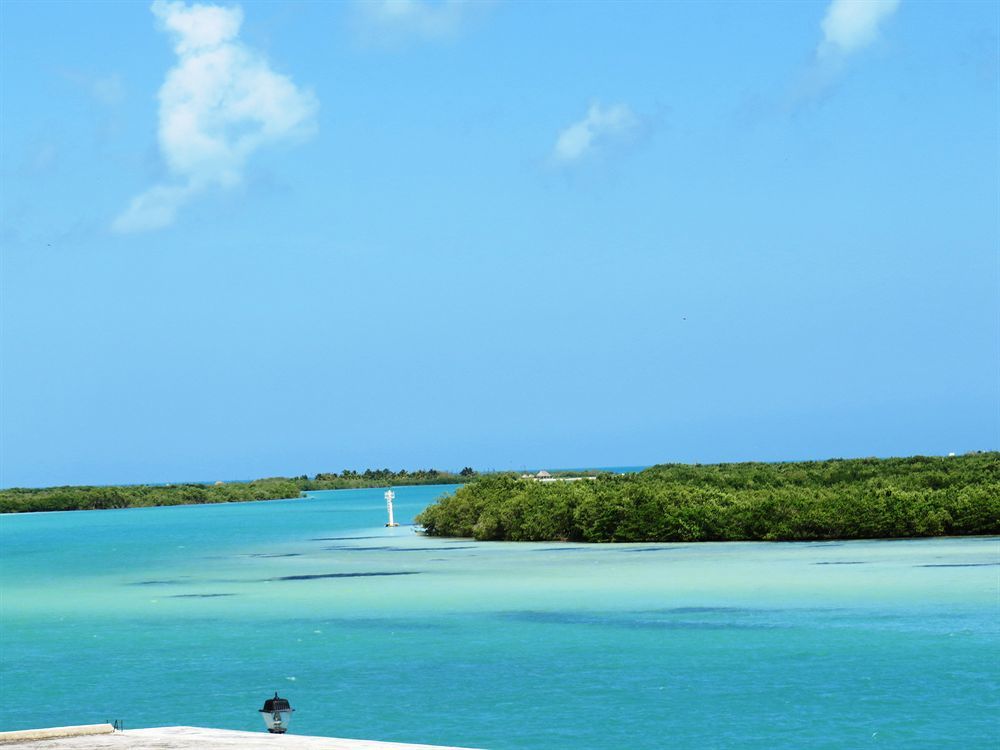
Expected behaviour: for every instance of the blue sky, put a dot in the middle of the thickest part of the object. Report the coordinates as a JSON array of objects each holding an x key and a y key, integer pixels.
[{"x": 257, "y": 239}]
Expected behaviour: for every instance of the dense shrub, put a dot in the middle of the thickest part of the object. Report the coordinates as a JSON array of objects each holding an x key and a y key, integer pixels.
[
  {"x": 836, "y": 499},
  {"x": 137, "y": 496},
  {"x": 21, "y": 500}
]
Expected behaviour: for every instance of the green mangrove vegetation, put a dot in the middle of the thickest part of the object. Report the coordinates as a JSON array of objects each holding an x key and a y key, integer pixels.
[
  {"x": 348, "y": 479},
  {"x": 22, "y": 500},
  {"x": 837, "y": 499}
]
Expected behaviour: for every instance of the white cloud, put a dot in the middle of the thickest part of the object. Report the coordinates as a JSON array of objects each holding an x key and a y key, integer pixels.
[
  {"x": 395, "y": 21},
  {"x": 850, "y": 25},
  {"x": 599, "y": 125},
  {"x": 219, "y": 104},
  {"x": 155, "y": 208}
]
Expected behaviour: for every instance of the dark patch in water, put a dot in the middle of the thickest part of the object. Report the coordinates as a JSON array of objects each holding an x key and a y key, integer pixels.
[
  {"x": 653, "y": 549},
  {"x": 431, "y": 549},
  {"x": 342, "y": 538},
  {"x": 166, "y": 582},
  {"x": 275, "y": 554},
  {"x": 958, "y": 565},
  {"x": 197, "y": 596},
  {"x": 314, "y": 576},
  {"x": 839, "y": 562}
]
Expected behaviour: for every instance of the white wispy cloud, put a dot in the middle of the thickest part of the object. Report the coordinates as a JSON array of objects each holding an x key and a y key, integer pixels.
[
  {"x": 850, "y": 25},
  {"x": 847, "y": 27},
  {"x": 389, "y": 22},
  {"x": 219, "y": 104},
  {"x": 599, "y": 126}
]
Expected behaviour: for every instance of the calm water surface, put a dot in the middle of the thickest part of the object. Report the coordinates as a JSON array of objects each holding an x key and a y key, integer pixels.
[{"x": 194, "y": 615}]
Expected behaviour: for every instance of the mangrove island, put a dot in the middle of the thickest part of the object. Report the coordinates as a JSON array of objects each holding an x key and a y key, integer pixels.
[{"x": 864, "y": 498}]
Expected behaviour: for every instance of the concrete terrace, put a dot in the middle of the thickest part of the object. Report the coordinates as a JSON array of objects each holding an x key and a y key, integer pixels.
[{"x": 195, "y": 738}]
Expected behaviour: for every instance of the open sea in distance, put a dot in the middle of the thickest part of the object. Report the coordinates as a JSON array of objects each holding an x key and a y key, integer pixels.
[{"x": 195, "y": 614}]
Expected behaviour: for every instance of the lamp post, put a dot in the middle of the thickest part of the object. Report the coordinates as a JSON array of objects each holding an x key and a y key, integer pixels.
[
  {"x": 277, "y": 713},
  {"x": 389, "y": 497}
]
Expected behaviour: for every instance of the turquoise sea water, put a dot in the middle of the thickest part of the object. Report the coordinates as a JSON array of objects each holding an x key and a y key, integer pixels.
[{"x": 194, "y": 615}]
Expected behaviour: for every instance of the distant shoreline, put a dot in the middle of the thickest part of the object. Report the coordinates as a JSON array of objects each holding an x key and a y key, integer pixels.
[
  {"x": 51, "y": 499},
  {"x": 112, "y": 497}
]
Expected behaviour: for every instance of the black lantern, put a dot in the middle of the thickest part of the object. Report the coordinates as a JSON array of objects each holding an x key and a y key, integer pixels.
[{"x": 276, "y": 714}]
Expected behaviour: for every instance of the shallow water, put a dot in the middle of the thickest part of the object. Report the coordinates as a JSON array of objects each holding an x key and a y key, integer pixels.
[{"x": 194, "y": 615}]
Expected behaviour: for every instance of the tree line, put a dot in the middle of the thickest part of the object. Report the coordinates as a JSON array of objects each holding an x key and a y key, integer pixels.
[
  {"x": 810, "y": 500},
  {"x": 383, "y": 478},
  {"x": 22, "y": 500}
]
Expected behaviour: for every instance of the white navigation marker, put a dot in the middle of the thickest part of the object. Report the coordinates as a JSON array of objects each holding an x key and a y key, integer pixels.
[{"x": 389, "y": 497}]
